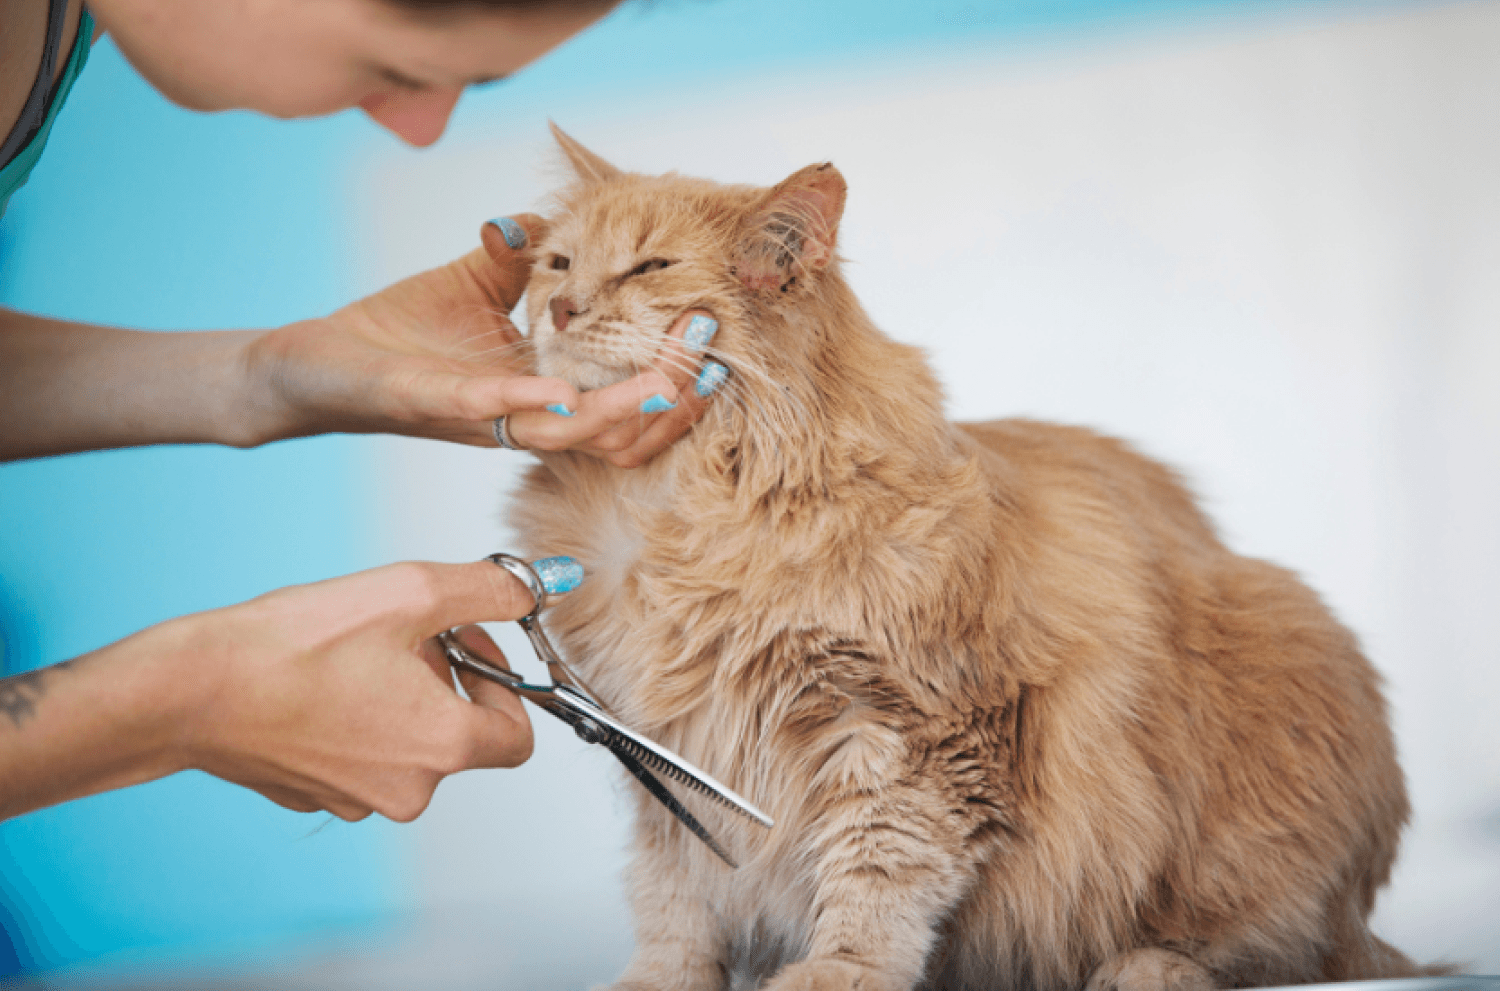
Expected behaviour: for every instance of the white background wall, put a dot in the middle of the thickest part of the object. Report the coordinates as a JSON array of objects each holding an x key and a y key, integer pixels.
[{"x": 1270, "y": 257}]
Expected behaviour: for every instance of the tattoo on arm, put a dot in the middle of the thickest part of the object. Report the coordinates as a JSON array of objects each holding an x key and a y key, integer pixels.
[{"x": 20, "y": 693}]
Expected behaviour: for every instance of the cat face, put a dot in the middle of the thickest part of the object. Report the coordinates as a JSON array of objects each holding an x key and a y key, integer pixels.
[
  {"x": 622, "y": 261},
  {"x": 627, "y": 254}
]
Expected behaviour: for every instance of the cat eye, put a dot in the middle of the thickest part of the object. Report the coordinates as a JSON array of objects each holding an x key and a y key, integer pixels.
[
  {"x": 560, "y": 263},
  {"x": 646, "y": 267}
]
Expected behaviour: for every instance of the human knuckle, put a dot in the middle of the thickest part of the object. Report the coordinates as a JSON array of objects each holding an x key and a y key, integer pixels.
[
  {"x": 454, "y": 754},
  {"x": 521, "y": 747},
  {"x": 631, "y": 458},
  {"x": 615, "y": 444},
  {"x": 449, "y": 745},
  {"x": 547, "y": 440},
  {"x": 470, "y": 404},
  {"x": 514, "y": 597},
  {"x": 407, "y": 807},
  {"x": 296, "y": 802},
  {"x": 350, "y": 813},
  {"x": 404, "y": 812},
  {"x": 420, "y": 585}
]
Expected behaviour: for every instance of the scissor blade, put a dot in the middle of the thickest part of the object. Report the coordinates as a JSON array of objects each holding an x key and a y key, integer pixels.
[
  {"x": 657, "y": 789},
  {"x": 659, "y": 758}
]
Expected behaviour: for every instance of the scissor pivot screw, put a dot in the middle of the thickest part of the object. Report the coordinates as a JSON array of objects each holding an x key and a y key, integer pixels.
[{"x": 589, "y": 731}]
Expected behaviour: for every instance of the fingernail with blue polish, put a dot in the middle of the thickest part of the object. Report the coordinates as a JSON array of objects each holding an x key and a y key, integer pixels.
[
  {"x": 514, "y": 233},
  {"x": 657, "y": 404},
  {"x": 559, "y": 409},
  {"x": 558, "y": 574},
  {"x": 710, "y": 378},
  {"x": 700, "y": 331}
]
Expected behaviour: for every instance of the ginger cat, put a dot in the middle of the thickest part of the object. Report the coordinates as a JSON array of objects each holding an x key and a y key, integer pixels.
[{"x": 1022, "y": 720}]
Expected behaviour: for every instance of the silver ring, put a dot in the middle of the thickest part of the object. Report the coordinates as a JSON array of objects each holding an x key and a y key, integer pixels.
[
  {"x": 502, "y": 434},
  {"x": 528, "y": 576}
]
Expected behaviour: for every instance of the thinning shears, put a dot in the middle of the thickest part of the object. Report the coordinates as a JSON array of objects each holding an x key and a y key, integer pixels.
[{"x": 570, "y": 699}]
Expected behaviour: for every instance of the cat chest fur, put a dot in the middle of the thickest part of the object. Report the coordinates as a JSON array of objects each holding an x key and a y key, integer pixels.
[{"x": 790, "y": 698}]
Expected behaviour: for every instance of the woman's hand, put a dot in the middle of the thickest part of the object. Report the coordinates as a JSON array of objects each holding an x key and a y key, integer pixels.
[
  {"x": 326, "y": 696},
  {"x": 436, "y": 355},
  {"x": 432, "y": 356}
]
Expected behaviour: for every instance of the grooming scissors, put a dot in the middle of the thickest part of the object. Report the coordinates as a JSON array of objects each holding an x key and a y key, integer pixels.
[{"x": 569, "y": 699}]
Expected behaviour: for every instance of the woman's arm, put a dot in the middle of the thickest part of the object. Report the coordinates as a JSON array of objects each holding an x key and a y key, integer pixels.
[
  {"x": 326, "y": 696},
  {"x": 83, "y": 726},
  {"x": 435, "y": 355},
  {"x": 68, "y": 387}
]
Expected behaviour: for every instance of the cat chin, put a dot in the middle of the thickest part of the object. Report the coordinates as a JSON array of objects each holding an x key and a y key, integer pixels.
[{"x": 581, "y": 374}]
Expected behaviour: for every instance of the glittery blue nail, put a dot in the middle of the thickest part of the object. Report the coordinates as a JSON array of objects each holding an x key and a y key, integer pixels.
[
  {"x": 700, "y": 331},
  {"x": 559, "y": 409},
  {"x": 657, "y": 404},
  {"x": 710, "y": 378},
  {"x": 558, "y": 574},
  {"x": 514, "y": 233}
]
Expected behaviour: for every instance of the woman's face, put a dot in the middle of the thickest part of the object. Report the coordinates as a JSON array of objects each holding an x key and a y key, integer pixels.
[{"x": 303, "y": 58}]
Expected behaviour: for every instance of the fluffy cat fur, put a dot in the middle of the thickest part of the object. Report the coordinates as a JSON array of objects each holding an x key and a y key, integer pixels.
[{"x": 1022, "y": 720}]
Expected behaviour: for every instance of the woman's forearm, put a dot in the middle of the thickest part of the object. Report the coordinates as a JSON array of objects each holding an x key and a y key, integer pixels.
[
  {"x": 68, "y": 387},
  {"x": 434, "y": 355},
  {"x": 325, "y": 696},
  {"x": 101, "y": 722}
]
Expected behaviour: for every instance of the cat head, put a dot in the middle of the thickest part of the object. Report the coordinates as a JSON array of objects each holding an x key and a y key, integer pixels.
[{"x": 626, "y": 254}]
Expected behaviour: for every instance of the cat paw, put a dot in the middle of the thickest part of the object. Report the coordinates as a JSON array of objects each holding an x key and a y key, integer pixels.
[
  {"x": 830, "y": 975},
  {"x": 1150, "y": 970}
]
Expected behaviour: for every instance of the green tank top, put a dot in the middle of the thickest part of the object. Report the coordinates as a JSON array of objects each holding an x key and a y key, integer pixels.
[{"x": 15, "y": 173}]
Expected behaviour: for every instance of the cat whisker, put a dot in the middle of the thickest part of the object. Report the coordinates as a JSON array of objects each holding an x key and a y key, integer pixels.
[
  {"x": 731, "y": 390},
  {"x": 499, "y": 349},
  {"x": 772, "y": 398},
  {"x": 460, "y": 350}
]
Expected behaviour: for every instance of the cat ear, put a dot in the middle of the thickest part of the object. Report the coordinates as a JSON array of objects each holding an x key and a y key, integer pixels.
[
  {"x": 792, "y": 232},
  {"x": 590, "y": 167}
]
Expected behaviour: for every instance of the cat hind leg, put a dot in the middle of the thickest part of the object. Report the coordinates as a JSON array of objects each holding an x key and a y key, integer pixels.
[{"x": 1150, "y": 970}]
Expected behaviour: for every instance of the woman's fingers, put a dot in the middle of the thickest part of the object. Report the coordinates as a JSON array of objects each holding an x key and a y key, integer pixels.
[
  {"x": 627, "y": 423},
  {"x": 449, "y": 595},
  {"x": 310, "y": 798},
  {"x": 682, "y": 360},
  {"x": 435, "y": 597},
  {"x": 697, "y": 378},
  {"x": 509, "y": 242},
  {"x": 288, "y": 798},
  {"x": 462, "y": 407},
  {"x": 483, "y": 399},
  {"x": 499, "y": 728},
  {"x": 687, "y": 344},
  {"x": 633, "y": 401},
  {"x": 436, "y": 658}
]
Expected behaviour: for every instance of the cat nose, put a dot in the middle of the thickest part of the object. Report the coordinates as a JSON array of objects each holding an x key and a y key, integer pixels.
[{"x": 563, "y": 310}]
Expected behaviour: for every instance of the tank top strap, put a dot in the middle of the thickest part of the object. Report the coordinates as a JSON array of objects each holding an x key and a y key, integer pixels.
[
  {"x": 23, "y": 146},
  {"x": 34, "y": 113}
]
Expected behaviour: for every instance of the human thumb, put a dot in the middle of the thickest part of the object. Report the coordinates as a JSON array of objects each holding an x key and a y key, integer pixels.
[{"x": 510, "y": 243}]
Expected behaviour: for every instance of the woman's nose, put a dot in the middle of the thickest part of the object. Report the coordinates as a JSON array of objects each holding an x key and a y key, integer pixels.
[
  {"x": 563, "y": 310},
  {"x": 416, "y": 117}
]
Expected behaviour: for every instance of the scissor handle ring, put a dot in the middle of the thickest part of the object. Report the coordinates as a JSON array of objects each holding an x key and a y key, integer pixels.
[{"x": 528, "y": 576}]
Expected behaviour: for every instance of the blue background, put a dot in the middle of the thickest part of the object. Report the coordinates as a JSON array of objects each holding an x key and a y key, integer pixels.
[{"x": 144, "y": 215}]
